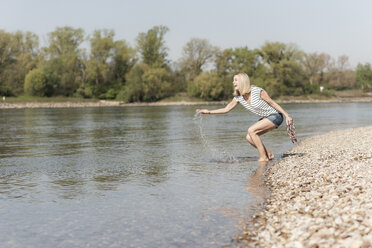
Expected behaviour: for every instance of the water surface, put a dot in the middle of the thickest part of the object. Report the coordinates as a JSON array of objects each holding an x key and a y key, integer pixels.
[{"x": 138, "y": 176}]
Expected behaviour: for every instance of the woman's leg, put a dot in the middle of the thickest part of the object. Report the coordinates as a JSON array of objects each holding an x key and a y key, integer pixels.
[
  {"x": 255, "y": 131},
  {"x": 268, "y": 153}
]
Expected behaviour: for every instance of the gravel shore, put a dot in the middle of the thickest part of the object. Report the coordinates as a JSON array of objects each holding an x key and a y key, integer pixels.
[{"x": 321, "y": 195}]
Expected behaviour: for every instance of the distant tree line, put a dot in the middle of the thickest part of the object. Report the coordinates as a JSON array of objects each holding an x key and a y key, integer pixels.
[{"x": 112, "y": 69}]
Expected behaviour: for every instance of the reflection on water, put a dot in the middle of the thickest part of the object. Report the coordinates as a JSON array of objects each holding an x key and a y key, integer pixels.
[
  {"x": 140, "y": 176},
  {"x": 256, "y": 185}
]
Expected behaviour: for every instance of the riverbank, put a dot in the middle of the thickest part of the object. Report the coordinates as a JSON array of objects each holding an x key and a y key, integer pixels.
[
  {"x": 321, "y": 195},
  {"x": 104, "y": 103}
]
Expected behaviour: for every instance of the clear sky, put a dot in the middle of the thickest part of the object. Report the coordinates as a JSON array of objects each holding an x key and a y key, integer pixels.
[{"x": 336, "y": 27}]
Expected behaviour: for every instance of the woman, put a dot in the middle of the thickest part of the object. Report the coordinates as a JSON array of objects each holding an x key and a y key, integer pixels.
[{"x": 256, "y": 100}]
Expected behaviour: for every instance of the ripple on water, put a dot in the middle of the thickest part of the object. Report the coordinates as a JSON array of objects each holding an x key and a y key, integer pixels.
[{"x": 147, "y": 177}]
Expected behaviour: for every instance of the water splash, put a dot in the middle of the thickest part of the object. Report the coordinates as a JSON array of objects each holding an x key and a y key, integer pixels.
[
  {"x": 198, "y": 118},
  {"x": 216, "y": 153}
]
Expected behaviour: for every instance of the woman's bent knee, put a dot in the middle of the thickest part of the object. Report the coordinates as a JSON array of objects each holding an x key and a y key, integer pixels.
[
  {"x": 249, "y": 139},
  {"x": 251, "y": 131}
]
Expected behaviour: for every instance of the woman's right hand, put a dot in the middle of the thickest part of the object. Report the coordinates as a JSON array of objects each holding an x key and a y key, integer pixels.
[
  {"x": 288, "y": 120},
  {"x": 203, "y": 111}
]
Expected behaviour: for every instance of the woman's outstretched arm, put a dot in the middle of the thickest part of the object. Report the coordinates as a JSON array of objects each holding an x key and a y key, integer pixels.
[{"x": 224, "y": 110}]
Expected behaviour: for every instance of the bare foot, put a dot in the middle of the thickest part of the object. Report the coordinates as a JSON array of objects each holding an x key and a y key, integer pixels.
[
  {"x": 270, "y": 156},
  {"x": 264, "y": 159}
]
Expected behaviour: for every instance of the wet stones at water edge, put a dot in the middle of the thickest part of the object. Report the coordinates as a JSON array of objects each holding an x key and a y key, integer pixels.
[{"x": 320, "y": 199}]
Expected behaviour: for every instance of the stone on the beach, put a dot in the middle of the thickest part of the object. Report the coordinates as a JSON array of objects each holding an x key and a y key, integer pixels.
[{"x": 321, "y": 194}]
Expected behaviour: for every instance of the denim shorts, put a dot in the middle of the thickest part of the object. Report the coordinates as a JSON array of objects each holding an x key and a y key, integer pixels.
[{"x": 277, "y": 119}]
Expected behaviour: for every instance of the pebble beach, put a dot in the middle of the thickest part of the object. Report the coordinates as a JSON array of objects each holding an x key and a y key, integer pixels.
[{"x": 321, "y": 195}]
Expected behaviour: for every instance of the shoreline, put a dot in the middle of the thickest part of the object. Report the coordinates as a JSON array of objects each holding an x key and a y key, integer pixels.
[
  {"x": 104, "y": 103},
  {"x": 321, "y": 195},
  {"x": 101, "y": 103}
]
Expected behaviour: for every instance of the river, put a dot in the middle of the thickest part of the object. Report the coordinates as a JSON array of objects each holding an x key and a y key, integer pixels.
[{"x": 139, "y": 176}]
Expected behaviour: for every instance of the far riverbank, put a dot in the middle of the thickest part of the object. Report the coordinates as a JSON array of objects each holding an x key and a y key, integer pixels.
[{"x": 105, "y": 103}]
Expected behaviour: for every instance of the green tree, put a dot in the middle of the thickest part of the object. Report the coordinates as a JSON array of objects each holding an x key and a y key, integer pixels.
[
  {"x": 339, "y": 74},
  {"x": 124, "y": 58},
  {"x": 314, "y": 65},
  {"x": 101, "y": 45},
  {"x": 98, "y": 67},
  {"x": 209, "y": 86},
  {"x": 232, "y": 61},
  {"x": 8, "y": 49},
  {"x": 133, "y": 89},
  {"x": 151, "y": 46},
  {"x": 106, "y": 69},
  {"x": 145, "y": 83},
  {"x": 178, "y": 79},
  {"x": 284, "y": 75},
  {"x": 156, "y": 84},
  {"x": 273, "y": 52},
  {"x": 65, "y": 74},
  {"x": 64, "y": 59},
  {"x": 290, "y": 77},
  {"x": 197, "y": 54},
  {"x": 36, "y": 84},
  {"x": 65, "y": 40},
  {"x": 21, "y": 57},
  {"x": 363, "y": 74}
]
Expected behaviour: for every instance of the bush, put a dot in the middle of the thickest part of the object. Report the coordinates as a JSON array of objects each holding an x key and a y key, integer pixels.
[
  {"x": 36, "y": 84},
  {"x": 156, "y": 84},
  {"x": 145, "y": 83},
  {"x": 85, "y": 91},
  {"x": 363, "y": 74},
  {"x": 132, "y": 91},
  {"x": 5, "y": 91},
  {"x": 311, "y": 89},
  {"x": 208, "y": 86}
]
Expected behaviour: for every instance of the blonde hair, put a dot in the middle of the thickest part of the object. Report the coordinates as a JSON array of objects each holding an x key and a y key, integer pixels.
[{"x": 244, "y": 84}]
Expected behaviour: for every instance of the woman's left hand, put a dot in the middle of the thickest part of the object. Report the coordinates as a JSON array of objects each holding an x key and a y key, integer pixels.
[
  {"x": 288, "y": 120},
  {"x": 203, "y": 111}
]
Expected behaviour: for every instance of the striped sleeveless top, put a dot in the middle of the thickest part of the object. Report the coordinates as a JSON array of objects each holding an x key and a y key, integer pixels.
[{"x": 257, "y": 106}]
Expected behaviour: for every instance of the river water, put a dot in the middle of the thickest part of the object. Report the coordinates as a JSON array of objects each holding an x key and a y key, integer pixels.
[{"x": 139, "y": 176}]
